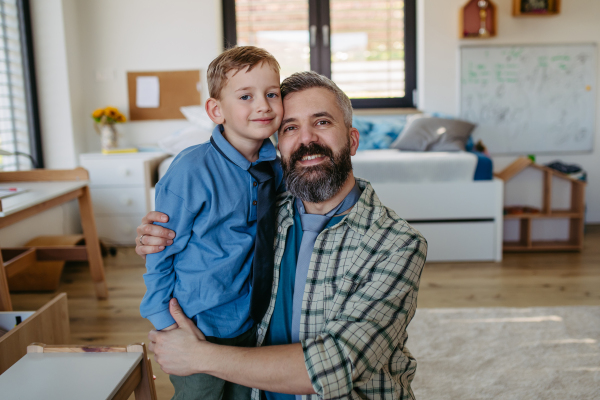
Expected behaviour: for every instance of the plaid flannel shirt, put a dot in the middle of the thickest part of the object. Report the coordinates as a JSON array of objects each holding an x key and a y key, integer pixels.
[{"x": 360, "y": 295}]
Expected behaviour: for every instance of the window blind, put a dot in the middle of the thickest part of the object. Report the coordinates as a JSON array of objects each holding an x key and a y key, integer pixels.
[{"x": 14, "y": 126}]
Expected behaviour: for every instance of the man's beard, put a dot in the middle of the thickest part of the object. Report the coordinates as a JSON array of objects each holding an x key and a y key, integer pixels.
[{"x": 317, "y": 183}]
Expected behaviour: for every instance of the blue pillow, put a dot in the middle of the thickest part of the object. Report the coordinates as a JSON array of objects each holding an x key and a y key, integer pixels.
[{"x": 378, "y": 133}]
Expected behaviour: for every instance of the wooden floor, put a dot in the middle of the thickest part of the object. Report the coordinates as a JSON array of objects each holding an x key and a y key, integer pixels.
[{"x": 520, "y": 280}]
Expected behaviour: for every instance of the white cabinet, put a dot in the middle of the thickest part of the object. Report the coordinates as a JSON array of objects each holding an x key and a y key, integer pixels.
[{"x": 122, "y": 188}]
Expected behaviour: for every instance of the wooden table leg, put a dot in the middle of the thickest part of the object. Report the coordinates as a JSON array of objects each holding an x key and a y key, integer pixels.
[
  {"x": 5, "y": 302},
  {"x": 92, "y": 244}
]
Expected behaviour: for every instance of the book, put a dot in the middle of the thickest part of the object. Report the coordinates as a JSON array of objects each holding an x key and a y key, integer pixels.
[
  {"x": 120, "y": 151},
  {"x": 8, "y": 191}
]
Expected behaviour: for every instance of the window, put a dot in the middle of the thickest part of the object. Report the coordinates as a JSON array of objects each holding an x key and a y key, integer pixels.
[
  {"x": 367, "y": 47},
  {"x": 19, "y": 126}
]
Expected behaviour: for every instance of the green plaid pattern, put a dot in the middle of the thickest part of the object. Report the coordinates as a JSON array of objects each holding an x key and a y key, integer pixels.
[{"x": 360, "y": 295}]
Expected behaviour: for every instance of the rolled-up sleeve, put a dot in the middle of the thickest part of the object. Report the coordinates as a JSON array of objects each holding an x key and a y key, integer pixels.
[{"x": 370, "y": 325}]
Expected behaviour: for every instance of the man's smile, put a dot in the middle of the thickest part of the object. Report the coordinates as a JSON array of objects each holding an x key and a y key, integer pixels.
[{"x": 312, "y": 159}]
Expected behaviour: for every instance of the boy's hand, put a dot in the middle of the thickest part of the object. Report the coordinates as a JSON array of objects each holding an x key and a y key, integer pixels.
[{"x": 153, "y": 238}]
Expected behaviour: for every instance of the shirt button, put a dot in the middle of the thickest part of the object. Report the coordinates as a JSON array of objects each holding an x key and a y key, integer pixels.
[
  {"x": 279, "y": 229},
  {"x": 254, "y": 184},
  {"x": 259, "y": 331},
  {"x": 254, "y": 203}
]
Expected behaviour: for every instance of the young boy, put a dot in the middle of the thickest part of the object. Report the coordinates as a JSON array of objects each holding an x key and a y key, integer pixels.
[{"x": 216, "y": 202}]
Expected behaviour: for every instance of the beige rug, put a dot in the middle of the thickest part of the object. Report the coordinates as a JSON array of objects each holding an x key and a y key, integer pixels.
[{"x": 506, "y": 353}]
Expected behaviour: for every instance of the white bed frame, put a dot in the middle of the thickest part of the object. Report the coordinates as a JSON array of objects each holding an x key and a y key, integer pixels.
[{"x": 462, "y": 221}]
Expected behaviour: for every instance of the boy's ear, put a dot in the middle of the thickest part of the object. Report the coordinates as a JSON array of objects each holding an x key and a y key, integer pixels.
[{"x": 213, "y": 109}]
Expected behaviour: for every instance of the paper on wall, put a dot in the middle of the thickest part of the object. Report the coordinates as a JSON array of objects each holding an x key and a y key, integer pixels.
[{"x": 147, "y": 92}]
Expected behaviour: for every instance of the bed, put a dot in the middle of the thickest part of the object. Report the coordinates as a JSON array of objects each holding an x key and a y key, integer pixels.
[{"x": 460, "y": 217}]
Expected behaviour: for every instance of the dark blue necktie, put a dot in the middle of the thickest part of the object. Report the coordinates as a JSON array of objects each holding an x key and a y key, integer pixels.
[{"x": 262, "y": 264}]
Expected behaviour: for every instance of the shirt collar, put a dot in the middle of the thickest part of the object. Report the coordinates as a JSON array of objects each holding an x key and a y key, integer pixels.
[
  {"x": 365, "y": 212},
  {"x": 267, "y": 151}
]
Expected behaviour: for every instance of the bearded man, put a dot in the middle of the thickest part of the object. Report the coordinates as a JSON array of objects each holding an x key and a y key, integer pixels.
[{"x": 346, "y": 273}]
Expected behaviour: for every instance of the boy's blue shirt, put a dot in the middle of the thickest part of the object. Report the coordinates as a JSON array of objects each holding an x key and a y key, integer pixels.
[{"x": 209, "y": 203}]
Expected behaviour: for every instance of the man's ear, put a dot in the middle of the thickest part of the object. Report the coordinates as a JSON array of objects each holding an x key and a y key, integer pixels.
[
  {"x": 354, "y": 140},
  {"x": 213, "y": 109}
]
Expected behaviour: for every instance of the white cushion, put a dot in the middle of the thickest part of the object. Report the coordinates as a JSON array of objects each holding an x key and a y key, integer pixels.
[
  {"x": 197, "y": 116},
  {"x": 184, "y": 138}
]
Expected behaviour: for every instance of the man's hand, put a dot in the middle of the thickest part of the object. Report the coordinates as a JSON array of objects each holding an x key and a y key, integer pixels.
[
  {"x": 153, "y": 238},
  {"x": 170, "y": 327},
  {"x": 177, "y": 351}
]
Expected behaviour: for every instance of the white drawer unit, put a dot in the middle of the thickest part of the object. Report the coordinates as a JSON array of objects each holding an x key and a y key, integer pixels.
[
  {"x": 125, "y": 200},
  {"x": 121, "y": 187}
]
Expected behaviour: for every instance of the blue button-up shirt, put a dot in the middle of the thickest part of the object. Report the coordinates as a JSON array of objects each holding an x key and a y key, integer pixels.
[{"x": 211, "y": 204}]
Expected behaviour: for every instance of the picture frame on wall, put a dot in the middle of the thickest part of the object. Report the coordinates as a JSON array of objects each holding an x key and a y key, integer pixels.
[
  {"x": 534, "y": 6},
  {"x": 541, "y": 8}
]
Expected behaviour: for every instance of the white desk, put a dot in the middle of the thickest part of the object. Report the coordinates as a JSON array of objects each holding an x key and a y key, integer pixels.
[
  {"x": 37, "y": 193},
  {"x": 66, "y": 376},
  {"x": 48, "y": 189}
]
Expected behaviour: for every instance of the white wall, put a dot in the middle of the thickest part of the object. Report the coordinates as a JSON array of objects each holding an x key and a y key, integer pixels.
[
  {"x": 438, "y": 63},
  {"x": 117, "y": 36},
  {"x": 54, "y": 86}
]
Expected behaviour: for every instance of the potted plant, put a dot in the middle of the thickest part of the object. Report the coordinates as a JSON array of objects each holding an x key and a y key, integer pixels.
[{"x": 105, "y": 120}]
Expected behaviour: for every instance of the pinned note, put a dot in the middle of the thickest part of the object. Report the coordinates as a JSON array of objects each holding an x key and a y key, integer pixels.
[{"x": 147, "y": 93}]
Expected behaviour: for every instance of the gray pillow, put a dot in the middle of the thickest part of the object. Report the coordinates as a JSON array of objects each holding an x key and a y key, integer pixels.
[{"x": 434, "y": 134}]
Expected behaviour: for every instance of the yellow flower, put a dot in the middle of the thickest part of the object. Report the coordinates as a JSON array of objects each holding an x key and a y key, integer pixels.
[
  {"x": 120, "y": 118},
  {"x": 111, "y": 112},
  {"x": 98, "y": 113}
]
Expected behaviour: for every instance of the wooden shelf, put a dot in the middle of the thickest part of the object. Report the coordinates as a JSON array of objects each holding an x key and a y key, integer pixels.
[
  {"x": 562, "y": 214},
  {"x": 575, "y": 213},
  {"x": 541, "y": 246},
  {"x": 553, "y": 9}
]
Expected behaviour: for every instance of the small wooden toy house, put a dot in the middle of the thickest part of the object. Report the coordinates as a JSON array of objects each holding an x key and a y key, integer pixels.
[
  {"x": 478, "y": 19},
  {"x": 574, "y": 213}
]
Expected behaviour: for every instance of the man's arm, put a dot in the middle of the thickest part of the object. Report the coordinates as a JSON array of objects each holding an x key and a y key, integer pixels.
[
  {"x": 184, "y": 351},
  {"x": 353, "y": 346}
]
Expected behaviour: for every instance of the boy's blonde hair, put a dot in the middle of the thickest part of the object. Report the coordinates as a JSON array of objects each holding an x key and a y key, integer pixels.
[{"x": 236, "y": 58}]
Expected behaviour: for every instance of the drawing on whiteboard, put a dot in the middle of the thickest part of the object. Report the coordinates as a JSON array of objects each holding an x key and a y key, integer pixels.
[{"x": 530, "y": 99}]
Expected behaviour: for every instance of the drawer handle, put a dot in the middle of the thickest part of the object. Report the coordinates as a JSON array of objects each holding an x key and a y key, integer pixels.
[{"x": 124, "y": 171}]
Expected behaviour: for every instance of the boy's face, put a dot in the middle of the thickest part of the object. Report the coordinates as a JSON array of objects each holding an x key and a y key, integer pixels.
[{"x": 250, "y": 104}]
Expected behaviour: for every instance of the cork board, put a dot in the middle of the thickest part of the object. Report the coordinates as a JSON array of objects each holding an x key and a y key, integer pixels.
[{"x": 177, "y": 89}]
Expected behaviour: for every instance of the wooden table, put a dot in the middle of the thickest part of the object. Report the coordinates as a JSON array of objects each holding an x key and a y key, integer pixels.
[{"x": 47, "y": 189}]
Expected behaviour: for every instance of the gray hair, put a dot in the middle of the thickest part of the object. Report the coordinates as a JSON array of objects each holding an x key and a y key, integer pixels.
[{"x": 309, "y": 79}]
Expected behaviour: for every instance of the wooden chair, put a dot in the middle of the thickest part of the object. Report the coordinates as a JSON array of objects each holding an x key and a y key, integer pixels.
[{"x": 77, "y": 372}]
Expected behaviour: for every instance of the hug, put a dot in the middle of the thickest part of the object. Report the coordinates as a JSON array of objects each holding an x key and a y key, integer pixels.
[{"x": 278, "y": 277}]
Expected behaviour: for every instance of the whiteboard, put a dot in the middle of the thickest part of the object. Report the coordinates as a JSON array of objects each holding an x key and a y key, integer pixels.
[{"x": 530, "y": 99}]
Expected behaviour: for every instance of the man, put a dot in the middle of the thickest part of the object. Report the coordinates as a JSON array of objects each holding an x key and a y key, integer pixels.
[{"x": 346, "y": 274}]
